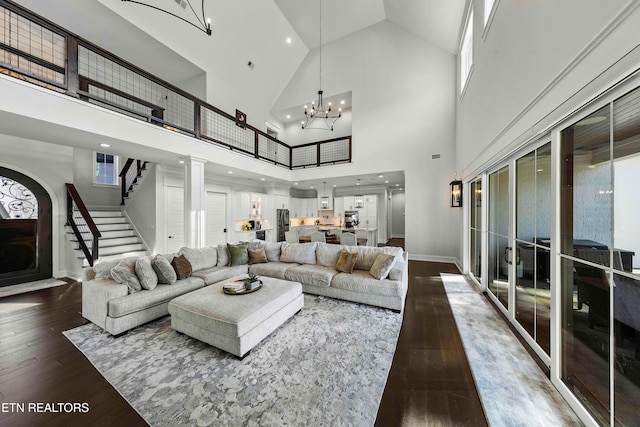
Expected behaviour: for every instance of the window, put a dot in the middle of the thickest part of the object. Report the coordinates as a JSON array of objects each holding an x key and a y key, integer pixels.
[
  {"x": 488, "y": 8},
  {"x": 106, "y": 169},
  {"x": 466, "y": 53}
]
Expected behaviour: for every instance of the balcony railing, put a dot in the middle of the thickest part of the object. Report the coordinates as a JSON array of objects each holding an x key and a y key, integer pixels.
[{"x": 40, "y": 52}]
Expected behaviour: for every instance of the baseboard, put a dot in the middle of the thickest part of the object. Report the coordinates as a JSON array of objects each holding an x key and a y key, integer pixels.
[
  {"x": 75, "y": 275},
  {"x": 397, "y": 236}
]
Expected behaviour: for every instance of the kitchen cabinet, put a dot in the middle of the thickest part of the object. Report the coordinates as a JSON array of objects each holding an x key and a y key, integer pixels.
[
  {"x": 246, "y": 205},
  {"x": 348, "y": 203},
  {"x": 303, "y": 208},
  {"x": 338, "y": 207},
  {"x": 312, "y": 207},
  {"x": 368, "y": 214},
  {"x": 282, "y": 202}
]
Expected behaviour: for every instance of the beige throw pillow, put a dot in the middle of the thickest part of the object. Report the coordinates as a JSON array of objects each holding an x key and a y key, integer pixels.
[
  {"x": 382, "y": 266},
  {"x": 257, "y": 256},
  {"x": 346, "y": 262}
]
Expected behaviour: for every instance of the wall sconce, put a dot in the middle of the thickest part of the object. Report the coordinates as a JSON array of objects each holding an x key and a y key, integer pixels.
[{"x": 456, "y": 194}]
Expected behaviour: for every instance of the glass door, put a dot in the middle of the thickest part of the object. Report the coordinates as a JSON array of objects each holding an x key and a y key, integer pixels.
[
  {"x": 501, "y": 254},
  {"x": 475, "y": 230}
]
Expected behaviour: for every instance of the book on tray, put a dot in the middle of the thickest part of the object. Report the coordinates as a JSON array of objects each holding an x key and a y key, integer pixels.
[{"x": 235, "y": 286}]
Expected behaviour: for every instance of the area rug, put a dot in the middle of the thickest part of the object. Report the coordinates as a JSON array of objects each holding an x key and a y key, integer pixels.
[
  {"x": 327, "y": 365},
  {"x": 513, "y": 389},
  {"x": 30, "y": 286}
]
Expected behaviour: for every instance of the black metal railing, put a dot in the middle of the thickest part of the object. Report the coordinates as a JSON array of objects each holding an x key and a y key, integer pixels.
[
  {"x": 43, "y": 53},
  {"x": 80, "y": 221},
  {"x": 129, "y": 175}
]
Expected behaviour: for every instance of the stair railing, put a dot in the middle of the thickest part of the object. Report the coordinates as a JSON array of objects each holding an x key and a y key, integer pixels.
[
  {"x": 80, "y": 221},
  {"x": 131, "y": 171}
]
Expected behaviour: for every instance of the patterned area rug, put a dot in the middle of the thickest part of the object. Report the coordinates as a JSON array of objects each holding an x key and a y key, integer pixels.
[{"x": 327, "y": 365}]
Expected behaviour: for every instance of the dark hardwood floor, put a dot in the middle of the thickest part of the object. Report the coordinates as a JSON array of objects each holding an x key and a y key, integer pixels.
[{"x": 430, "y": 382}]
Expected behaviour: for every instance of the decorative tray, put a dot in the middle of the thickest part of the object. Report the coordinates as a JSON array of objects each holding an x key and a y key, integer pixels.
[{"x": 231, "y": 292}]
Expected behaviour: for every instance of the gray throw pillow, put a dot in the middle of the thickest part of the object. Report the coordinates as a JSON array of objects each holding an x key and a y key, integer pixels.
[
  {"x": 223, "y": 255},
  {"x": 238, "y": 253},
  {"x": 273, "y": 251},
  {"x": 382, "y": 266},
  {"x": 103, "y": 269},
  {"x": 146, "y": 275},
  {"x": 125, "y": 273},
  {"x": 163, "y": 269}
]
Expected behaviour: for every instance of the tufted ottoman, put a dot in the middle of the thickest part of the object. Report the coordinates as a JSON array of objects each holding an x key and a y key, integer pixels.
[{"x": 236, "y": 323}]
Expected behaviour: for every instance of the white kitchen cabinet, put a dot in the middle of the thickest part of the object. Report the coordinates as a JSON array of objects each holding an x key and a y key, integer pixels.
[
  {"x": 246, "y": 205},
  {"x": 312, "y": 207},
  {"x": 338, "y": 207},
  {"x": 294, "y": 211},
  {"x": 348, "y": 203},
  {"x": 369, "y": 213},
  {"x": 282, "y": 202}
]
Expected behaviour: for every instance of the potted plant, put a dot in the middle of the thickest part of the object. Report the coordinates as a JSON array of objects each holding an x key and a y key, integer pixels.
[{"x": 252, "y": 281}]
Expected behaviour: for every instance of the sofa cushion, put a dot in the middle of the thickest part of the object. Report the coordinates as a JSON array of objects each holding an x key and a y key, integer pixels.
[
  {"x": 238, "y": 253},
  {"x": 163, "y": 269},
  {"x": 327, "y": 254},
  {"x": 271, "y": 269},
  {"x": 218, "y": 274},
  {"x": 182, "y": 266},
  {"x": 223, "y": 255},
  {"x": 273, "y": 251},
  {"x": 382, "y": 266},
  {"x": 316, "y": 275},
  {"x": 367, "y": 255},
  {"x": 346, "y": 261},
  {"x": 125, "y": 273},
  {"x": 200, "y": 258},
  {"x": 257, "y": 256},
  {"x": 399, "y": 267},
  {"x": 145, "y": 299},
  {"x": 362, "y": 282},
  {"x": 147, "y": 277},
  {"x": 300, "y": 253}
]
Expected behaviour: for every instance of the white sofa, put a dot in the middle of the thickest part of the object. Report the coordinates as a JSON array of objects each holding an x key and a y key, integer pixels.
[{"x": 111, "y": 306}]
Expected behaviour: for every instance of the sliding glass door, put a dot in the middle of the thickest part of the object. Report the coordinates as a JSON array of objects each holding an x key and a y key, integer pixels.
[
  {"x": 475, "y": 230},
  {"x": 500, "y": 256}
]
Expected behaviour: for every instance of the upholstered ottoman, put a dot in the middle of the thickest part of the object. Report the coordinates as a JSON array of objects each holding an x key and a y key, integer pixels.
[{"x": 236, "y": 323}]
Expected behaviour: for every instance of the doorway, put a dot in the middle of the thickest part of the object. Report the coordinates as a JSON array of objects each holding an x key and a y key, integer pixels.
[
  {"x": 216, "y": 218},
  {"x": 174, "y": 218},
  {"x": 25, "y": 229}
]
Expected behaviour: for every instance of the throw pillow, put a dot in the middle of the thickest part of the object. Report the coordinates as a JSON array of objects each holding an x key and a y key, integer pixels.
[
  {"x": 163, "y": 269},
  {"x": 382, "y": 266},
  {"x": 146, "y": 275},
  {"x": 257, "y": 256},
  {"x": 300, "y": 253},
  {"x": 182, "y": 266},
  {"x": 223, "y": 255},
  {"x": 346, "y": 261},
  {"x": 125, "y": 273},
  {"x": 201, "y": 258},
  {"x": 103, "y": 269},
  {"x": 273, "y": 251},
  {"x": 238, "y": 253}
]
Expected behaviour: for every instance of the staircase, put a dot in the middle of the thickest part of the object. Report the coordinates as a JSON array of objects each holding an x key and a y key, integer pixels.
[
  {"x": 130, "y": 176},
  {"x": 119, "y": 239}
]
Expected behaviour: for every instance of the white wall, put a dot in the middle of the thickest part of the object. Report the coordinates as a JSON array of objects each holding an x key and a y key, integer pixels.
[
  {"x": 51, "y": 166},
  {"x": 94, "y": 196},
  {"x": 140, "y": 208},
  {"x": 404, "y": 110},
  {"x": 536, "y": 56}
]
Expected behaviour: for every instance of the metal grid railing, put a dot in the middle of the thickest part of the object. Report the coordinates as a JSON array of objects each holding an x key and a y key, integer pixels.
[
  {"x": 37, "y": 51},
  {"x": 30, "y": 51}
]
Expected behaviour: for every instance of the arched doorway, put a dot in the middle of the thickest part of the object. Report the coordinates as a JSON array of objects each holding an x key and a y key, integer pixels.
[{"x": 25, "y": 229}]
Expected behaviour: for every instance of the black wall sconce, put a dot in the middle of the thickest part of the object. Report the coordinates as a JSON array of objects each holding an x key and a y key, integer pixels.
[{"x": 456, "y": 194}]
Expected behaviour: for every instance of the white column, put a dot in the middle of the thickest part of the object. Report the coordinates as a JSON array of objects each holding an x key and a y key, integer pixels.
[{"x": 194, "y": 202}]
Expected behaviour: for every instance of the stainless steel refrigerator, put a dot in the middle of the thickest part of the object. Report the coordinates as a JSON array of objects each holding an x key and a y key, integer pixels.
[{"x": 283, "y": 223}]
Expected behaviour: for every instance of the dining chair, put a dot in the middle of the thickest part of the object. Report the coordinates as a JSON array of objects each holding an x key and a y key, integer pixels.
[
  {"x": 362, "y": 233},
  {"x": 318, "y": 236},
  {"x": 291, "y": 237},
  {"x": 348, "y": 239}
]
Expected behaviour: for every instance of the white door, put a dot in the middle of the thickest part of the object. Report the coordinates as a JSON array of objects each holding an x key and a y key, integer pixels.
[
  {"x": 216, "y": 218},
  {"x": 174, "y": 209}
]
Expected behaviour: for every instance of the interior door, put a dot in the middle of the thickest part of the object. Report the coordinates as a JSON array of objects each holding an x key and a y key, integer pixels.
[
  {"x": 216, "y": 218},
  {"x": 501, "y": 254},
  {"x": 174, "y": 218}
]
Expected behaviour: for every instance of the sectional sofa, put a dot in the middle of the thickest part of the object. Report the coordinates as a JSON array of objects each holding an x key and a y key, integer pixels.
[{"x": 115, "y": 308}]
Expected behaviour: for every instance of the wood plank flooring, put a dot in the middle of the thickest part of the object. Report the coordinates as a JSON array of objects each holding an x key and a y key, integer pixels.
[{"x": 430, "y": 382}]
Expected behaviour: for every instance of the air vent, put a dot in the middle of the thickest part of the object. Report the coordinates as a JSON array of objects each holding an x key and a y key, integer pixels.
[
  {"x": 435, "y": 156},
  {"x": 182, "y": 3}
]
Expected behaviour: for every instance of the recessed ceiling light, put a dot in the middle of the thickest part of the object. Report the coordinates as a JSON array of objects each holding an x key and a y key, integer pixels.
[
  {"x": 357, "y": 183},
  {"x": 397, "y": 185},
  {"x": 230, "y": 172},
  {"x": 181, "y": 161},
  {"x": 104, "y": 144},
  {"x": 295, "y": 183},
  {"x": 261, "y": 179},
  {"x": 334, "y": 185},
  {"x": 386, "y": 182},
  {"x": 289, "y": 40},
  {"x": 380, "y": 176},
  {"x": 401, "y": 189},
  {"x": 540, "y": 170},
  {"x": 342, "y": 102},
  {"x": 311, "y": 187},
  {"x": 288, "y": 116}
]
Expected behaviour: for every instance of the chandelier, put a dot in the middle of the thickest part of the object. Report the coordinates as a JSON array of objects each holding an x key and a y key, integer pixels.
[
  {"x": 319, "y": 111},
  {"x": 201, "y": 23}
]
